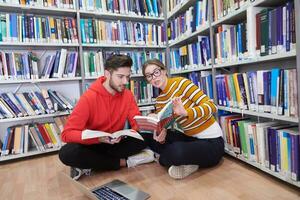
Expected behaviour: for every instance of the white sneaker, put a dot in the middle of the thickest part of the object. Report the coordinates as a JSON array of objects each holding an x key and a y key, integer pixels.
[
  {"x": 182, "y": 171},
  {"x": 146, "y": 156}
]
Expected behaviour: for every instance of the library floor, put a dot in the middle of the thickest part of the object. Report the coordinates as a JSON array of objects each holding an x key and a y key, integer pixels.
[{"x": 41, "y": 178}]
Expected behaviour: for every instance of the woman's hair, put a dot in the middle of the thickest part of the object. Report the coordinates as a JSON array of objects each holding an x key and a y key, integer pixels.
[
  {"x": 153, "y": 62},
  {"x": 116, "y": 61}
]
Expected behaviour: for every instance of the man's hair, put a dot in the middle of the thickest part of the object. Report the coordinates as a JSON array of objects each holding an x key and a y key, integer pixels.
[{"x": 116, "y": 61}]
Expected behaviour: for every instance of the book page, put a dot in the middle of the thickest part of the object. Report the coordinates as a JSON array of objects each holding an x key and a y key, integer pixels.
[
  {"x": 166, "y": 112},
  {"x": 127, "y": 132},
  {"x": 87, "y": 134}
]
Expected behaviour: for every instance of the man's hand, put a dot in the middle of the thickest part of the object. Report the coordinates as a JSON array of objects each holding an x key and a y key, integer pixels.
[
  {"x": 161, "y": 138},
  {"x": 178, "y": 107},
  {"x": 109, "y": 140}
]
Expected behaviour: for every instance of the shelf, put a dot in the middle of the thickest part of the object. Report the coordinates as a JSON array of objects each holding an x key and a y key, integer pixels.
[
  {"x": 36, "y": 44},
  {"x": 91, "y": 78},
  {"x": 16, "y": 119},
  {"x": 8, "y": 7},
  {"x": 259, "y": 114},
  {"x": 146, "y": 108},
  {"x": 146, "y": 104},
  {"x": 123, "y": 46},
  {"x": 185, "y": 38},
  {"x": 23, "y": 155},
  {"x": 268, "y": 3},
  {"x": 234, "y": 16},
  {"x": 202, "y": 68},
  {"x": 257, "y": 165},
  {"x": 279, "y": 56},
  {"x": 131, "y": 76},
  {"x": 136, "y": 76},
  {"x": 39, "y": 80},
  {"x": 180, "y": 8},
  {"x": 113, "y": 16}
]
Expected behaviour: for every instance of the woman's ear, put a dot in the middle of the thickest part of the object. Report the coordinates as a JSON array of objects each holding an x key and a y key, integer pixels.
[{"x": 165, "y": 72}]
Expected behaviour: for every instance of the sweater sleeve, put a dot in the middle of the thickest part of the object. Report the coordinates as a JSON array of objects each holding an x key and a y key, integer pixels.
[
  {"x": 133, "y": 111},
  {"x": 202, "y": 105},
  {"x": 77, "y": 123}
]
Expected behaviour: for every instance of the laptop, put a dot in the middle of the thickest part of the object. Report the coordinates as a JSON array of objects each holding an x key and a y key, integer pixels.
[{"x": 114, "y": 190}]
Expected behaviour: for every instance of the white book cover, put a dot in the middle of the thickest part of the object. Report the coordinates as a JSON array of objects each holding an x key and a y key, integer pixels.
[{"x": 62, "y": 63}]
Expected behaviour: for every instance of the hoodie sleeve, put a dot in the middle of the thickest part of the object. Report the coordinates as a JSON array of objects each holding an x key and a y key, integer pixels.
[
  {"x": 133, "y": 111},
  {"x": 77, "y": 123}
]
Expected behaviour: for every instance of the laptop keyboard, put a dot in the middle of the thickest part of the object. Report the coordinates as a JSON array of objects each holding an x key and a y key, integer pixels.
[{"x": 105, "y": 193}]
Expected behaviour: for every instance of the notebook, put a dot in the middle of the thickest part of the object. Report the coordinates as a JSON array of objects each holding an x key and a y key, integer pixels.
[{"x": 113, "y": 190}]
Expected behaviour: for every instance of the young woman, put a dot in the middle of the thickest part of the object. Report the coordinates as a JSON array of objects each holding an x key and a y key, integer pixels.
[{"x": 200, "y": 144}]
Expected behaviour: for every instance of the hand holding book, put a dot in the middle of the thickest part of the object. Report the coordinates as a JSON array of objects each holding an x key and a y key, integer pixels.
[
  {"x": 109, "y": 140},
  {"x": 161, "y": 137},
  {"x": 178, "y": 107}
]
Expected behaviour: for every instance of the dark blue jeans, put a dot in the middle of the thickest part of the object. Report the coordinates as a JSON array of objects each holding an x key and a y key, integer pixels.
[{"x": 180, "y": 149}]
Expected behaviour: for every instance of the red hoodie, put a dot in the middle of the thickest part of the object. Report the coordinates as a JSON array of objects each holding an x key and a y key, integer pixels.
[{"x": 97, "y": 109}]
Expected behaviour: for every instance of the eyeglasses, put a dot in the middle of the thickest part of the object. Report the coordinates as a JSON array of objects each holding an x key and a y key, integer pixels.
[{"x": 156, "y": 73}]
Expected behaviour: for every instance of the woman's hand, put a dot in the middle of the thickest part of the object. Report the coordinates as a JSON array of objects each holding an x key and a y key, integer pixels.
[
  {"x": 161, "y": 138},
  {"x": 178, "y": 107}
]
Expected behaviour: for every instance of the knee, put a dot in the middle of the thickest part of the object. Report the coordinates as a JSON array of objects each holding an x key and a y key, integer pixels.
[
  {"x": 66, "y": 154},
  {"x": 62, "y": 154}
]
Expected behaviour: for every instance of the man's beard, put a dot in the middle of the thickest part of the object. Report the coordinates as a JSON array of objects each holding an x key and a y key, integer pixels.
[{"x": 115, "y": 87}]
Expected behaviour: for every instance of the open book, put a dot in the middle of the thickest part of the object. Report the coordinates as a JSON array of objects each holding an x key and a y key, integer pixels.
[
  {"x": 164, "y": 119},
  {"x": 87, "y": 134}
]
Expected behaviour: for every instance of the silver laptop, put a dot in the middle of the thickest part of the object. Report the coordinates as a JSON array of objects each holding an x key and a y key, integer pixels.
[{"x": 113, "y": 190}]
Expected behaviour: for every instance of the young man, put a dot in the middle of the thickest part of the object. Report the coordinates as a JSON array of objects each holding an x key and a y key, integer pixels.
[{"x": 105, "y": 106}]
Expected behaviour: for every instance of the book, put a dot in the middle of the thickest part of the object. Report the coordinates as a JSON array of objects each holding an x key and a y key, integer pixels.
[
  {"x": 88, "y": 134},
  {"x": 164, "y": 119}
]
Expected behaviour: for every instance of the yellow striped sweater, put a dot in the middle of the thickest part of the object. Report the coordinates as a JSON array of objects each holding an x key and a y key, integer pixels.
[{"x": 199, "y": 107}]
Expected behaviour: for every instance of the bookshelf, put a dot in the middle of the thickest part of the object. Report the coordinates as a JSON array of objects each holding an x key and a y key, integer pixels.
[
  {"x": 285, "y": 60},
  {"x": 71, "y": 87}
]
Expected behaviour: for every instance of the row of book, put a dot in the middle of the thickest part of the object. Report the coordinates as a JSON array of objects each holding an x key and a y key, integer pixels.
[
  {"x": 272, "y": 145},
  {"x": 190, "y": 21},
  {"x": 270, "y": 91},
  {"x": 231, "y": 43},
  {"x": 143, "y": 91},
  {"x": 275, "y": 29},
  {"x": 60, "y": 64},
  {"x": 94, "y": 61},
  {"x": 265, "y": 32},
  {"x": 171, "y": 4},
  {"x": 191, "y": 56},
  {"x": 203, "y": 79},
  {"x": 222, "y": 8},
  {"x": 94, "y": 31},
  {"x": 25, "y": 65},
  {"x": 22, "y": 139},
  {"x": 33, "y": 103},
  {"x": 33, "y": 28},
  {"x": 131, "y": 7},
  {"x": 66, "y": 4}
]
